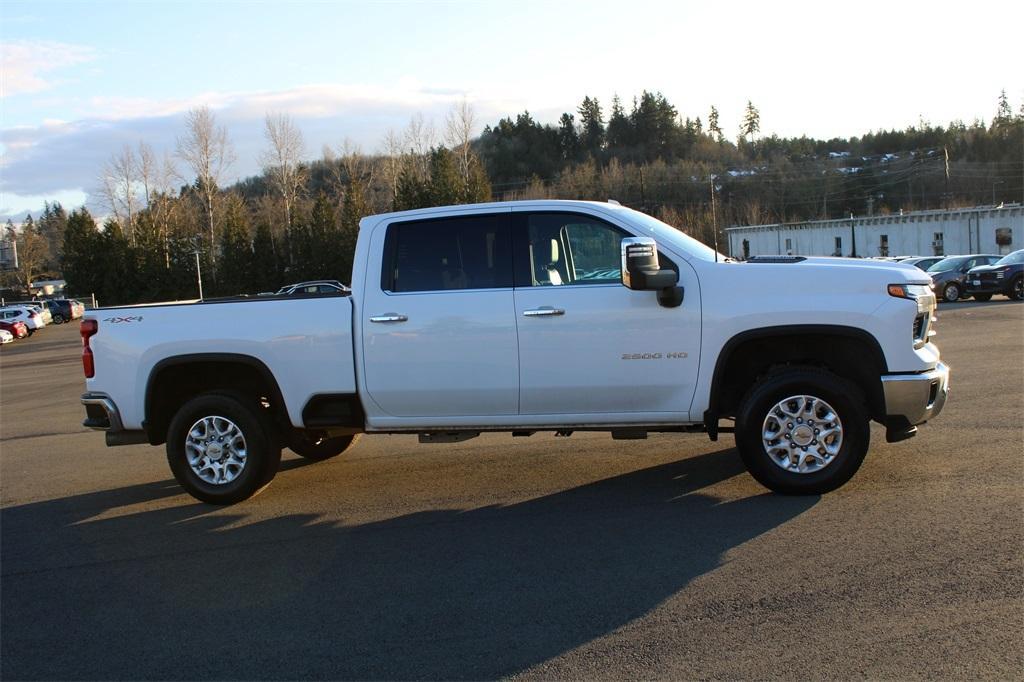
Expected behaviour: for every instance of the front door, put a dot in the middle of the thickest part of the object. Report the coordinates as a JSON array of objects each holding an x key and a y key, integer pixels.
[
  {"x": 439, "y": 330},
  {"x": 587, "y": 344}
]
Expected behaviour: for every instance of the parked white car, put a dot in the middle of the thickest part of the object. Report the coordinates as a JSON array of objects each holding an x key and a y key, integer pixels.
[
  {"x": 32, "y": 318},
  {"x": 524, "y": 317},
  {"x": 6, "y": 336}
]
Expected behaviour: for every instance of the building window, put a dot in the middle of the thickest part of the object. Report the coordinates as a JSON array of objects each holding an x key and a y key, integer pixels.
[
  {"x": 839, "y": 247},
  {"x": 1004, "y": 239},
  {"x": 883, "y": 245},
  {"x": 937, "y": 245},
  {"x": 789, "y": 247}
]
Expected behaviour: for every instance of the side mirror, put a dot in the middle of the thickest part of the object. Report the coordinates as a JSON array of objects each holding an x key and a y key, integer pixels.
[{"x": 642, "y": 272}]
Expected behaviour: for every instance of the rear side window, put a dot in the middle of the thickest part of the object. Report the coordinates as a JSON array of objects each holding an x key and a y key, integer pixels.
[{"x": 448, "y": 254}]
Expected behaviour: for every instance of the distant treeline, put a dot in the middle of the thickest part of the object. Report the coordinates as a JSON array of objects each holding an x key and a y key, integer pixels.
[{"x": 298, "y": 219}]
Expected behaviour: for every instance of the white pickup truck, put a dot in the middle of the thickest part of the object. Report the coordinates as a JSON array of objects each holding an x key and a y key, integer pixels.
[{"x": 555, "y": 316}]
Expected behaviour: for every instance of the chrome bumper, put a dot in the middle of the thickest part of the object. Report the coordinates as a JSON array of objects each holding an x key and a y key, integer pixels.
[
  {"x": 101, "y": 414},
  {"x": 916, "y": 397}
]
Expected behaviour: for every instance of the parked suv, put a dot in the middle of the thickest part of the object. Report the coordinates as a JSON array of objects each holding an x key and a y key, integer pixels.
[
  {"x": 1005, "y": 276},
  {"x": 64, "y": 309},
  {"x": 949, "y": 274},
  {"x": 32, "y": 318}
]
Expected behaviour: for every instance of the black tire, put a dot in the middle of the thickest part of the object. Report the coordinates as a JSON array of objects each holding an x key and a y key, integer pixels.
[
  {"x": 263, "y": 451},
  {"x": 952, "y": 293},
  {"x": 847, "y": 401},
  {"x": 317, "y": 448},
  {"x": 982, "y": 297},
  {"x": 58, "y": 319},
  {"x": 1017, "y": 289}
]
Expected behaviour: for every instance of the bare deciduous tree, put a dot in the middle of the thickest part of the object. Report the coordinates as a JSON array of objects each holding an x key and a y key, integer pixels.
[
  {"x": 208, "y": 152},
  {"x": 420, "y": 138},
  {"x": 394, "y": 158},
  {"x": 282, "y": 161},
  {"x": 460, "y": 123},
  {"x": 147, "y": 170},
  {"x": 119, "y": 181}
]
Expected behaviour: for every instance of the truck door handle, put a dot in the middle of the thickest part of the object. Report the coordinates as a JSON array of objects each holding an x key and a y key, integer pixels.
[
  {"x": 389, "y": 317},
  {"x": 543, "y": 311}
]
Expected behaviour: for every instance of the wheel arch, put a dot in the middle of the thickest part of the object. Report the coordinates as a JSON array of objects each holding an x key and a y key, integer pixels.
[
  {"x": 173, "y": 380},
  {"x": 730, "y": 378}
]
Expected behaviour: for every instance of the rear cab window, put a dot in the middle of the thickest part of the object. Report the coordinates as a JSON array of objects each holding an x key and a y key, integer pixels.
[{"x": 448, "y": 254}]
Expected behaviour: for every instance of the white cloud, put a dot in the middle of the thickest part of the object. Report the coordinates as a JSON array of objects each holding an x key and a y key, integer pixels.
[
  {"x": 44, "y": 160},
  {"x": 25, "y": 65}
]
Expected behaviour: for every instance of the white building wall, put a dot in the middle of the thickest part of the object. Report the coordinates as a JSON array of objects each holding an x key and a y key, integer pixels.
[{"x": 913, "y": 234}]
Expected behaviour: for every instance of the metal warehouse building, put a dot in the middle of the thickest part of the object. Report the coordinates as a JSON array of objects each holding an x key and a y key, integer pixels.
[{"x": 985, "y": 229}]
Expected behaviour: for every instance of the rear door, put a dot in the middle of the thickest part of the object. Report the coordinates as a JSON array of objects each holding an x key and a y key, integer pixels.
[{"x": 439, "y": 328}]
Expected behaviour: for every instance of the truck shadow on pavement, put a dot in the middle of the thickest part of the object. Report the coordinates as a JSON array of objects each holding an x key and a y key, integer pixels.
[{"x": 197, "y": 593}]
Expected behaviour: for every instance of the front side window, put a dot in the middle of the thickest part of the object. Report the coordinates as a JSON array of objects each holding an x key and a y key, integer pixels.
[
  {"x": 446, "y": 254},
  {"x": 573, "y": 249}
]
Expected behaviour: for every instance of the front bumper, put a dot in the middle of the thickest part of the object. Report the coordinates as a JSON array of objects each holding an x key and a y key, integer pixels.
[
  {"x": 986, "y": 287},
  {"x": 912, "y": 399},
  {"x": 102, "y": 414}
]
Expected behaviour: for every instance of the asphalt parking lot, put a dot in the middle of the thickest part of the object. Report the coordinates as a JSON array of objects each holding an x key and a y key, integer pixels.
[{"x": 538, "y": 557}]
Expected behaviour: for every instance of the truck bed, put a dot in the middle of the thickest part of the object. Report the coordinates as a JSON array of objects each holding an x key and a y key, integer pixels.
[{"x": 304, "y": 341}]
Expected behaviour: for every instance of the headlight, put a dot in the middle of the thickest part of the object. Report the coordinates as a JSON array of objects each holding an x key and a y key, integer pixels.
[{"x": 911, "y": 291}]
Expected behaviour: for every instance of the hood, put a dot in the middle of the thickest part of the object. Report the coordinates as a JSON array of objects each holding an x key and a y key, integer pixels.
[
  {"x": 987, "y": 268},
  {"x": 897, "y": 273}
]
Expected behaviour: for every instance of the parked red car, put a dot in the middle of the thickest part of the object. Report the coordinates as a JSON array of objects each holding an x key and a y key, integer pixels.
[{"x": 16, "y": 328}]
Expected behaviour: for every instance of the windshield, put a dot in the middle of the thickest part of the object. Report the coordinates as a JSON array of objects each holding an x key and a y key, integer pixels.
[
  {"x": 674, "y": 236},
  {"x": 1012, "y": 259},
  {"x": 945, "y": 264}
]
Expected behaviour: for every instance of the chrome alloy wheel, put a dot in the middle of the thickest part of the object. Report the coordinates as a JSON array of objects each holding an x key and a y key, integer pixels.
[
  {"x": 802, "y": 434},
  {"x": 215, "y": 449}
]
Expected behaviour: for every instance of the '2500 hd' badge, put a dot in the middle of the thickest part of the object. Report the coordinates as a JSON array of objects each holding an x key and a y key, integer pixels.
[{"x": 653, "y": 356}]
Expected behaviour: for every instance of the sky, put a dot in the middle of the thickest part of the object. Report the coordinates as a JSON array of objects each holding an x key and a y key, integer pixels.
[{"x": 79, "y": 80}]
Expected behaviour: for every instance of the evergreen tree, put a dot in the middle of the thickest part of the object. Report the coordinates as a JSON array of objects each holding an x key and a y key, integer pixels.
[
  {"x": 118, "y": 277},
  {"x": 751, "y": 122},
  {"x": 79, "y": 252},
  {"x": 591, "y": 127},
  {"x": 51, "y": 228},
  {"x": 619, "y": 132},
  {"x": 1004, "y": 114},
  {"x": 353, "y": 209},
  {"x": 444, "y": 178},
  {"x": 568, "y": 139},
  {"x": 235, "y": 249},
  {"x": 264, "y": 275},
  {"x": 713, "y": 127}
]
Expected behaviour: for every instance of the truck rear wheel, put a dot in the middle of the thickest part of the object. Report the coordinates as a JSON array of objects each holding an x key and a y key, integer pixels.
[
  {"x": 221, "y": 449},
  {"x": 316, "y": 447},
  {"x": 802, "y": 431}
]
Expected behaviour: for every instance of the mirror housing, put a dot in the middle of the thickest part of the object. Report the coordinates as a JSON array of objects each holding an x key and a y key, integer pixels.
[{"x": 641, "y": 271}]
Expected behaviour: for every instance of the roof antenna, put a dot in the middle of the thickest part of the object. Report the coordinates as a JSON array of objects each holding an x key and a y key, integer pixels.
[{"x": 613, "y": 201}]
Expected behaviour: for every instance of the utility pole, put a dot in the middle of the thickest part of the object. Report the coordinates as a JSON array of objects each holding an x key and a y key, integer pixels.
[
  {"x": 714, "y": 216},
  {"x": 853, "y": 236},
  {"x": 199, "y": 275}
]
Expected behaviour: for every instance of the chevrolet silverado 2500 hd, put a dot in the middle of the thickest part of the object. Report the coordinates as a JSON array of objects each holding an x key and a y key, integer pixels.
[{"x": 525, "y": 317}]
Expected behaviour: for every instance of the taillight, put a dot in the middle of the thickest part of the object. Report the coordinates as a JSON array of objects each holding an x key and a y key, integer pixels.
[{"x": 87, "y": 330}]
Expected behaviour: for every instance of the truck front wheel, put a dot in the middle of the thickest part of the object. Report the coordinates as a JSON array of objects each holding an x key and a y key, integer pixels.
[
  {"x": 220, "y": 449},
  {"x": 318, "y": 447},
  {"x": 802, "y": 431}
]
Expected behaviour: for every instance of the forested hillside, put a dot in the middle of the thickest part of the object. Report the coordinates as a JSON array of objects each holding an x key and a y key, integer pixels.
[{"x": 299, "y": 218}]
